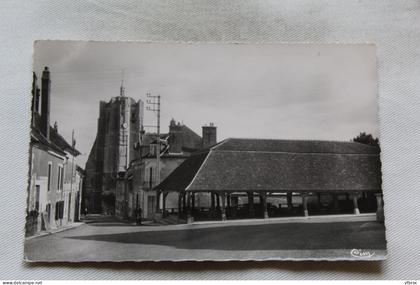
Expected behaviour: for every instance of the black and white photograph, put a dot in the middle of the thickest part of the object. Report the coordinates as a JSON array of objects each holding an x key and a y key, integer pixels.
[{"x": 148, "y": 151}]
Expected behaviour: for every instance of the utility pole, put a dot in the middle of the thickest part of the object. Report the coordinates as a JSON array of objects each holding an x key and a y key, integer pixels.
[
  {"x": 154, "y": 105},
  {"x": 73, "y": 144}
]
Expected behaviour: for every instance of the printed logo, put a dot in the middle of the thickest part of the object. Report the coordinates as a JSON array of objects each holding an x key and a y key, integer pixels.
[{"x": 360, "y": 253}]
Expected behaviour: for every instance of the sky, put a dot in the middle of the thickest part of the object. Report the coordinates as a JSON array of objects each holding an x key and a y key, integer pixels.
[{"x": 279, "y": 91}]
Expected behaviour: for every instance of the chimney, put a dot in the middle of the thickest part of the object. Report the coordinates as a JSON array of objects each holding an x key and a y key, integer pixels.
[
  {"x": 209, "y": 137},
  {"x": 175, "y": 137},
  {"x": 45, "y": 103}
]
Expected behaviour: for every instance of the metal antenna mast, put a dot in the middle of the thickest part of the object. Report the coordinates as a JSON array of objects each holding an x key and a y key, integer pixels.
[
  {"x": 154, "y": 105},
  {"x": 122, "y": 88}
]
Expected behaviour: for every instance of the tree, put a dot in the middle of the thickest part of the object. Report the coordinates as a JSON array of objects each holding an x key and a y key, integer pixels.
[{"x": 367, "y": 139}]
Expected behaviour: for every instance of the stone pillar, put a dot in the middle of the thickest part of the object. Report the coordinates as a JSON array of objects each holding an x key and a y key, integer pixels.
[
  {"x": 193, "y": 201},
  {"x": 251, "y": 204},
  {"x": 305, "y": 204},
  {"x": 190, "y": 218},
  {"x": 289, "y": 200},
  {"x": 355, "y": 205},
  {"x": 184, "y": 201},
  {"x": 379, "y": 208},
  {"x": 164, "y": 203},
  {"x": 212, "y": 200},
  {"x": 179, "y": 204},
  {"x": 264, "y": 205},
  {"x": 188, "y": 200},
  {"x": 223, "y": 206}
]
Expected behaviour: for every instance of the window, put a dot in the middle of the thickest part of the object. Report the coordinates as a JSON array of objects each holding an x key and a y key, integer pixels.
[
  {"x": 48, "y": 210},
  {"x": 59, "y": 209},
  {"x": 62, "y": 178},
  {"x": 49, "y": 176},
  {"x": 151, "y": 177},
  {"x": 59, "y": 178},
  {"x": 37, "y": 191},
  {"x": 69, "y": 210}
]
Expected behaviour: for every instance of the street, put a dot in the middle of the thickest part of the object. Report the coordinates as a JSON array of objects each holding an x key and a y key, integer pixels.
[{"x": 106, "y": 239}]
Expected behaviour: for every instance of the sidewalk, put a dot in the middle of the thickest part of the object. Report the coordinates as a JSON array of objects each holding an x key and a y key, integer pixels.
[
  {"x": 324, "y": 219},
  {"x": 309, "y": 219},
  {"x": 53, "y": 231}
]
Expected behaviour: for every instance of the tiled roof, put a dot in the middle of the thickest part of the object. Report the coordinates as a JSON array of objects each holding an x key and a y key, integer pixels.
[
  {"x": 298, "y": 146},
  {"x": 38, "y": 138},
  {"x": 58, "y": 140},
  {"x": 179, "y": 179},
  {"x": 190, "y": 139},
  {"x": 280, "y": 165}
]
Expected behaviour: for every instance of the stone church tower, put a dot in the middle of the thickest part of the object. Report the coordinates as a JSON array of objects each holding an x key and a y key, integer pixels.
[{"x": 119, "y": 124}]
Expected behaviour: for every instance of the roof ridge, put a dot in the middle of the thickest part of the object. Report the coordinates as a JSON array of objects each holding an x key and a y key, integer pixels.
[
  {"x": 301, "y": 140},
  {"x": 220, "y": 143},
  {"x": 295, "y": 152},
  {"x": 198, "y": 171}
]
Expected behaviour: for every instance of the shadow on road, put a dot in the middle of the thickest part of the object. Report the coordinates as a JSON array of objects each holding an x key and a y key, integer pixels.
[{"x": 361, "y": 235}]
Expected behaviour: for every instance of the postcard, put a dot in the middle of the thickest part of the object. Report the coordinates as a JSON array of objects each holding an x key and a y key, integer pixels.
[{"x": 145, "y": 151}]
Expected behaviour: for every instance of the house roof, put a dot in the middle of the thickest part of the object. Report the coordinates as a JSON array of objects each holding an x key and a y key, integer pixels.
[
  {"x": 58, "y": 140},
  {"x": 56, "y": 143},
  {"x": 190, "y": 139},
  {"x": 279, "y": 165},
  {"x": 39, "y": 139},
  {"x": 179, "y": 179},
  {"x": 298, "y": 146}
]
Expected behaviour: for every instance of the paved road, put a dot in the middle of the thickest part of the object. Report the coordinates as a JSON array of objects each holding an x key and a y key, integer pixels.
[{"x": 108, "y": 239}]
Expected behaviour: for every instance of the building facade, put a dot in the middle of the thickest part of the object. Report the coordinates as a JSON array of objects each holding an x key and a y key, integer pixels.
[
  {"x": 174, "y": 147},
  {"x": 55, "y": 180}
]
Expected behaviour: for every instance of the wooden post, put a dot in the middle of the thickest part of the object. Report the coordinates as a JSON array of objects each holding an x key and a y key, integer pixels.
[
  {"x": 379, "y": 208},
  {"x": 305, "y": 204},
  {"x": 223, "y": 194},
  {"x": 355, "y": 205},
  {"x": 335, "y": 201},
  {"x": 289, "y": 200},
  {"x": 251, "y": 204},
  {"x": 319, "y": 199},
  {"x": 264, "y": 204},
  {"x": 184, "y": 202},
  {"x": 179, "y": 204}
]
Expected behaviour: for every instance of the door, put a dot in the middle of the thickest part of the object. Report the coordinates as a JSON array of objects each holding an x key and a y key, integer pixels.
[
  {"x": 69, "y": 211},
  {"x": 77, "y": 207}
]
